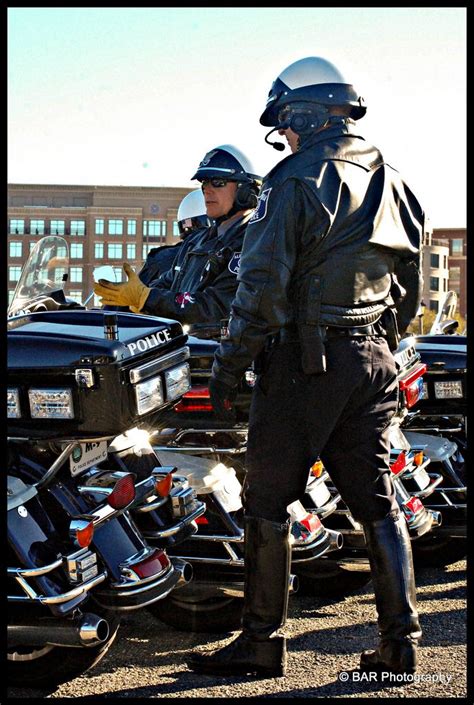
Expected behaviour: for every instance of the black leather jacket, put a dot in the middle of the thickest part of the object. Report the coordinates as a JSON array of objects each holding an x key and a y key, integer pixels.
[
  {"x": 336, "y": 237},
  {"x": 199, "y": 288}
]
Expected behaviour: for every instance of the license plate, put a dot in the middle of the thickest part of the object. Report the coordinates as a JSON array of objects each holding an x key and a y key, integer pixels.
[{"x": 85, "y": 455}]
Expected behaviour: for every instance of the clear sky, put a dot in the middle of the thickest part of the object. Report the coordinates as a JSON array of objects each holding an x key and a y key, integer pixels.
[{"x": 137, "y": 96}]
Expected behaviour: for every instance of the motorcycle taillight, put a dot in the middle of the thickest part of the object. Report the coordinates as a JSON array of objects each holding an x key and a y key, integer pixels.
[
  {"x": 152, "y": 565},
  {"x": 412, "y": 385},
  {"x": 197, "y": 399}
]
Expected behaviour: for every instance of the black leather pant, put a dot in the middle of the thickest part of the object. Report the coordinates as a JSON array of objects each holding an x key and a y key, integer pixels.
[{"x": 341, "y": 415}]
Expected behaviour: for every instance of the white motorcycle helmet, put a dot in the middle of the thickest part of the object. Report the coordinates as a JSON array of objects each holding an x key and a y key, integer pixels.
[
  {"x": 300, "y": 96},
  {"x": 228, "y": 162},
  {"x": 192, "y": 214}
]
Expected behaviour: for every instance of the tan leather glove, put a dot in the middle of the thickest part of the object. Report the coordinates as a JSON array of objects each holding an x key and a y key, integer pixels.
[{"x": 132, "y": 293}]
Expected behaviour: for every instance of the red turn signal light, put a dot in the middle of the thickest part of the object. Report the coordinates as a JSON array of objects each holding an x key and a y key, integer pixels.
[
  {"x": 399, "y": 463},
  {"x": 153, "y": 564},
  {"x": 123, "y": 493},
  {"x": 163, "y": 486},
  {"x": 82, "y": 532}
]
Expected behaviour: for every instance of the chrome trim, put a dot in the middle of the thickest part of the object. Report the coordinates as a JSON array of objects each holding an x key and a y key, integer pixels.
[
  {"x": 137, "y": 374},
  {"x": 32, "y": 596}
]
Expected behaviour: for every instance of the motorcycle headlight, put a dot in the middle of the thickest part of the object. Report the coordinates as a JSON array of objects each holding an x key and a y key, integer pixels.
[
  {"x": 13, "y": 404},
  {"x": 448, "y": 389},
  {"x": 51, "y": 403},
  {"x": 178, "y": 381},
  {"x": 149, "y": 395}
]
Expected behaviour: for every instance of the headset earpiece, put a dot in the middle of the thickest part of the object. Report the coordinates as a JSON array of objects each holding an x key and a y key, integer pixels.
[{"x": 246, "y": 196}]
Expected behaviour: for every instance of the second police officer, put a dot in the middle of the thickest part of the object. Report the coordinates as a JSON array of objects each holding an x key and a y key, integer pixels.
[
  {"x": 201, "y": 284},
  {"x": 330, "y": 268}
]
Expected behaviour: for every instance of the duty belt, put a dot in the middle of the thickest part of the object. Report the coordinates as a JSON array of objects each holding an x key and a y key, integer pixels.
[{"x": 290, "y": 333}]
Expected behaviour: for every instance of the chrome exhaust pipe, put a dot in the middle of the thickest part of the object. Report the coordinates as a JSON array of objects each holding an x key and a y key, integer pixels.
[
  {"x": 437, "y": 518},
  {"x": 184, "y": 569},
  {"x": 336, "y": 540},
  {"x": 88, "y": 630}
]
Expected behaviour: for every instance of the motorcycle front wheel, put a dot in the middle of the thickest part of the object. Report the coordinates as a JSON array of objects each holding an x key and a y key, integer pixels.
[
  {"x": 47, "y": 665},
  {"x": 213, "y": 615}
]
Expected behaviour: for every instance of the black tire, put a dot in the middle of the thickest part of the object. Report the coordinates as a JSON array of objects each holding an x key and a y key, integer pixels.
[
  {"x": 329, "y": 579},
  {"x": 215, "y": 615},
  {"x": 438, "y": 551},
  {"x": 47, "y": 666}
]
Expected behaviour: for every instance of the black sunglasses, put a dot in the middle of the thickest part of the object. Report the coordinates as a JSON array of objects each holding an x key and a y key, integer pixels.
[{"x": 216, "y": 182}]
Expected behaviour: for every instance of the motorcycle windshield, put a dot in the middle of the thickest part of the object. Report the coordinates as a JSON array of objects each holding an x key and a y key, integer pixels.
[{"x": 45, "y": 271}]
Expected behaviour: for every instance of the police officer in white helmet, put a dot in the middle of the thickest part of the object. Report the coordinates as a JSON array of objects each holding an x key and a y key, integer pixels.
[{"x": 330, "y": 278}]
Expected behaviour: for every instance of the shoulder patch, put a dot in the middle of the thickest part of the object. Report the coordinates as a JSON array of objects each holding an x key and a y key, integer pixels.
[
  {"x": 261, "y": 209},
  {"x": 234, "y": 264}
]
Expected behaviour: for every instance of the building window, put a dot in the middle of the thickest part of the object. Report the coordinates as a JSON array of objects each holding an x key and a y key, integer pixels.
[
  {"x": 146, "y": 249},
  {"x": 118, "y": 271},
  {"x": 57, "y": 227},
  {"x": 457, "y": 246},
  {"x": 434, "y": 283},
  {"x": 446, "y": 261},
  {"x": 131, "y": 227},
  {"x": 454, "y": 274},
  {"x": 114, "y": 250},
  {"x": 37, "y": 227},
  {"x": 175, "y": 228},
  {"x": 32, "y": 244},
  {"x": 99, "y": 250},
  {"x": 433, "y": 305},
  {"x": 78, "y": 227},
  {"x": 99, "y": 226},
  {"x": 76, "y": 294},
  {"x": 75, "y": 274},
  {"x": 17, "y": 226},
  {"x": 14, "y": 273},
  {"x": 77, "y": 250},
  {"x": 115, "y": 227},
  {"x": 154, "y": 228},
  {"x": 131, "y": 250},
  {"x": 434, "y": 261},
  {"x": 15, "y": 249}
]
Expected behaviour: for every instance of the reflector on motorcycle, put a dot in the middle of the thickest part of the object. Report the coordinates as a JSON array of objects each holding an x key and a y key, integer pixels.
[
  {"x": 317, "y": 468},
  {"x": 123, "y": 493}
]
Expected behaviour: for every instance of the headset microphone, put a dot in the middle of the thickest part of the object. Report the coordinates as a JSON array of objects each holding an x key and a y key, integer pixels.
[{"x": 276, "y": 145}]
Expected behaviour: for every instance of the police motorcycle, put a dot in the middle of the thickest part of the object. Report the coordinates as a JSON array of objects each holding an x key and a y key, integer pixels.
[
  {"x": 191, "y": 428},
  {"x": 439, "y": 422},
  {"x": 76, "y": 558}
]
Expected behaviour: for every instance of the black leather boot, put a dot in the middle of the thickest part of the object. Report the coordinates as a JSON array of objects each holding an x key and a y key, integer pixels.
[
  {"x": 393, "y": 577},
  {"x": 259, "y": 649}
]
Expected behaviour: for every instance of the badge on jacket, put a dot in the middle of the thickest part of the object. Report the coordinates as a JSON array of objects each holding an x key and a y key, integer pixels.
[
  {"x": 234, "y": 264},
  {"x": 184, "y": 298},
  {"x": 261, "y": 209}
]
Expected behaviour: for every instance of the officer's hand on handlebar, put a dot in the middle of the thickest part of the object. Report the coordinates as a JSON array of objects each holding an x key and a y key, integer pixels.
[
  {"x": 132, "y": 293},
  {"x": 222, "y": 397}
]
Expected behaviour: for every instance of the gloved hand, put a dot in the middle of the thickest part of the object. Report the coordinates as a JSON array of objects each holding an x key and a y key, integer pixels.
[
  {"x": 222, "y": 397},
  {"x": 132, "y": 293}
]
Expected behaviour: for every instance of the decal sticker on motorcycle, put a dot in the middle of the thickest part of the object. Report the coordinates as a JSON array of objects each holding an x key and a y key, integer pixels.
[
  {"x": 261, "y": 209},
  {"x": 234, "y": 264},
  {"x": 151, "y": 341},
  {"x": 184, "y": 298}
]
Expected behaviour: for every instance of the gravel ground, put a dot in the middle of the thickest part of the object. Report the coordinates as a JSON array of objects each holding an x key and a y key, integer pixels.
[{"x": 326, "y": 638}]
